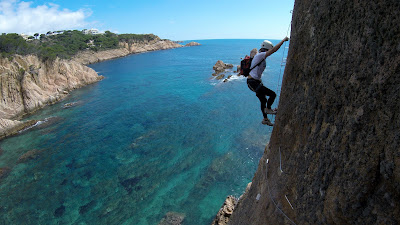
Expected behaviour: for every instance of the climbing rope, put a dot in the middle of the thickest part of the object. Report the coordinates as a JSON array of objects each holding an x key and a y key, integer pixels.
[
  {"x": 283, "y": 60},
  {"x": 283, "y": 64}
]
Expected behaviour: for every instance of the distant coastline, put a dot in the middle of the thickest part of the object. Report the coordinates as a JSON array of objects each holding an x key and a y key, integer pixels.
[{"x": 31, "y": 82}]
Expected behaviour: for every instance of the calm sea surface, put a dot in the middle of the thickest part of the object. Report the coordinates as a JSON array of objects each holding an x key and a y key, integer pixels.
[{"x": 158, "y": 135}]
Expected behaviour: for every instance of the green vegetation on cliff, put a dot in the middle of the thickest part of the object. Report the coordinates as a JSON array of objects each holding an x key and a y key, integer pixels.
[{"x": 65, "y": 45}]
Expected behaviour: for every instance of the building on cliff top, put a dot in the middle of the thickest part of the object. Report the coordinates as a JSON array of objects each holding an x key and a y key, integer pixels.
[{"x": 91, "y": 31}]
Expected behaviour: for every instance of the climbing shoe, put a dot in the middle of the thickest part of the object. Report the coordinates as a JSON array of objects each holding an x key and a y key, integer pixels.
[
  {"x": 266, "y": 121},
  {"x": 270, "y": 111}
]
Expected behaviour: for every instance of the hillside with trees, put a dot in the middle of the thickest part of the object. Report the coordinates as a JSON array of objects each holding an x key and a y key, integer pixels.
[{"x": 65, "y": 44}]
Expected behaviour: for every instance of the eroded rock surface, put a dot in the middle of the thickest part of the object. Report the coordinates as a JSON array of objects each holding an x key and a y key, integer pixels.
[
  {"x": 225, "y": 211},
  {"x": 334, "y": 152}
]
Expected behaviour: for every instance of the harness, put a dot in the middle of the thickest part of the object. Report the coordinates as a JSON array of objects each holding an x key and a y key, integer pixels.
[{"x": 257, "y": 88}]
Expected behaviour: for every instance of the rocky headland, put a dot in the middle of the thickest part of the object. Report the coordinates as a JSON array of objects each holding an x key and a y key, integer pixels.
[
  {"x": 88, "y": 57},
  {"x": 334, "y": 155},
  {"x": 28, "y": 83}
]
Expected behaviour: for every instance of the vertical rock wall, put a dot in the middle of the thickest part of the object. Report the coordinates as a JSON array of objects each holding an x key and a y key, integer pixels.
[{"x": 334, "y": 154}]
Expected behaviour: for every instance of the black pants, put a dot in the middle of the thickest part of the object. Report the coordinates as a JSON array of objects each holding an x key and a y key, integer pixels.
[{"x": 261, "y": 91}]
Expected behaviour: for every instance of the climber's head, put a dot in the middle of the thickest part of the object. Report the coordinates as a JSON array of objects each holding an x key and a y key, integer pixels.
[{"x": 265, "y": 46}]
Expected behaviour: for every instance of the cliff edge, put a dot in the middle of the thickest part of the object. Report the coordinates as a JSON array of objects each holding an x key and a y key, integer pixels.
[{"x": 334, "y": 155}]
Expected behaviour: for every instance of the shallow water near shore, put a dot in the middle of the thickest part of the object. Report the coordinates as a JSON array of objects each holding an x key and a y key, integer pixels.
[{"x": 157, "y": 135}]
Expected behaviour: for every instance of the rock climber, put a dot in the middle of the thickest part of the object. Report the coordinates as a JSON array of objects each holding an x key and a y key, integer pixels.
[{"x": 254, "y": 79}]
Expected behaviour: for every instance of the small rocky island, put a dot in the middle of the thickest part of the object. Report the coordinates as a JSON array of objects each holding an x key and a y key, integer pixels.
[
  {"x": 192, "y": 44},
  {"x": 220, "y": 68}
]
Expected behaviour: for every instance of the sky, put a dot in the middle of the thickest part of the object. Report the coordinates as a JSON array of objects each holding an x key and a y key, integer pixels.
[{"x": 169, "y": 19}]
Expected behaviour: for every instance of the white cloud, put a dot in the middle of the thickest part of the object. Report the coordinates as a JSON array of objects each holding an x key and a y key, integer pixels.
[{"x": 21, "y": 17}]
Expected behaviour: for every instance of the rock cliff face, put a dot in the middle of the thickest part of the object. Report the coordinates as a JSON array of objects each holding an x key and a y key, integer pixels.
[
  {"x": 88, "y": 57},
  {"x": 334, "y": 155},
  {"x": 27, "y": 84}
]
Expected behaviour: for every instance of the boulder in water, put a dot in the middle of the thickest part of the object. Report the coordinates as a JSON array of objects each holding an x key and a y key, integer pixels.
[
  {"x": 219, "y": 77},
  {"x": 69, "y": 105},
  {"x": 221, "y": 66}
]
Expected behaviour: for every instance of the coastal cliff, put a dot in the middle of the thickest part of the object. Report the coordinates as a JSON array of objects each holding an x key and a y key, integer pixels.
[
  {"x": 334, "y": 157},
  {"x": 27, "y": 83},
  {"x": 88, "y": 57}
]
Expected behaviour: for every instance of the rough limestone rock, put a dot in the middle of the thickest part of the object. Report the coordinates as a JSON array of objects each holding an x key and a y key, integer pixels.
[
  {"x": 220, "y": 67},
  {"x": 219, "y": 77},
  {"x": 12, "y": 127},
  {"x": 334, "y": 153},
  {"x": 28, "y": 84},
  {"x": 192, "y": 44},
  {"x": 225, "y": 211}
]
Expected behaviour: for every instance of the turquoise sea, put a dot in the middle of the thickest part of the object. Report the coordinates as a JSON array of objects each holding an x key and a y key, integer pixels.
[{"x": 157, "y": 135}]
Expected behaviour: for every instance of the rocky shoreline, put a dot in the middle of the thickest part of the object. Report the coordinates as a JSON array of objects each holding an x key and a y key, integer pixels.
[
  {"x": 28, "y": 84},
  {"x": 89, "y": 57}
]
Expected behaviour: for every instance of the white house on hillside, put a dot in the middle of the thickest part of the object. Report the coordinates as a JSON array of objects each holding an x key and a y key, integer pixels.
[
  {"x": 90, "y": 31},
  {"x": 25, "y": 36}
]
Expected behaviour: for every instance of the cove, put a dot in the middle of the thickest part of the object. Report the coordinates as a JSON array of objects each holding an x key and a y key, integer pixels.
[{"x": 157, "y": 135}]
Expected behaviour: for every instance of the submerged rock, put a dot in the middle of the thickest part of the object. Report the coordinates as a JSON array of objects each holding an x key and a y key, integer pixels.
[
  {"x": 49, "y": 121},
  {"x": 172, "y": 218},
  {"x": 131, "y": 184},
  {"x": 87, "y": 207},
  {"x": 59, "y": 211},
  {"x": 227, "y": 79},
  {"x": 70, "y": 104},
  {"x": 32, "y": 154},
  {"x": 4, "y": 172}
]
